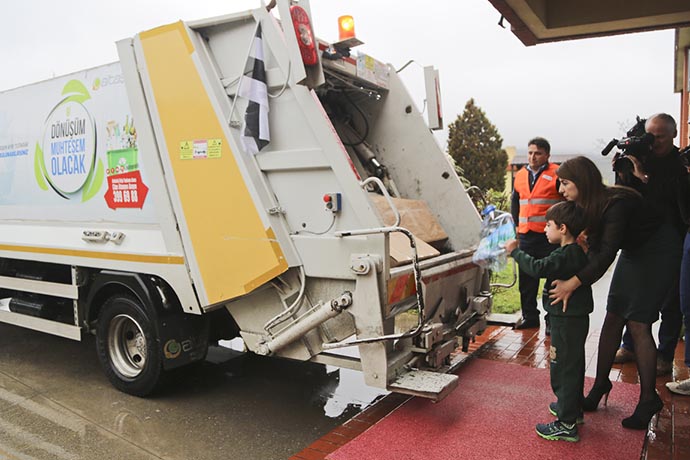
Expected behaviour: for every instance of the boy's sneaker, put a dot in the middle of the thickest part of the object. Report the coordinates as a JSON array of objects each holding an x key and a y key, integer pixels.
[
  {"x": 681, "y": 387},
  {"x": 558, "y": 431},
  {"x": 553, "y": 408}
]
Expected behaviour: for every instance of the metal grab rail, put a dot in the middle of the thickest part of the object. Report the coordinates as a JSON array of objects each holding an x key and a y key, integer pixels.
[
  {"x": 515, "y": 277},
  {"x": 418, "y": 284},
  {"x": 386, "y": 195}
]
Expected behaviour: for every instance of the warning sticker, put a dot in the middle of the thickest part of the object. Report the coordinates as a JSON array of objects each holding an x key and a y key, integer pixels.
[
  {"x": 214, "y": 148},
  {"x": 186, "y": 152},
  {"x": 200, "y": 149}
]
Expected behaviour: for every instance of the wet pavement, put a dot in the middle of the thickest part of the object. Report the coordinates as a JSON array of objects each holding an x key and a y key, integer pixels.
[{"x": 55, "y": 403}]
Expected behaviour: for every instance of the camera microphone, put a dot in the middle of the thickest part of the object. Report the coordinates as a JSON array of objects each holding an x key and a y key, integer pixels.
[{"x": 609, "y": 146}]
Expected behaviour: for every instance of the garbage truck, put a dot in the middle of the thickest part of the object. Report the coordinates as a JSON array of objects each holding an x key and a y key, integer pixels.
[{"x": 236, "y": 177}]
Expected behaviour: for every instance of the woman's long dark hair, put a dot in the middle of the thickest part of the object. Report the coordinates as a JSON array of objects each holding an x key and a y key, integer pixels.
[{"x": 592, "y": 195}]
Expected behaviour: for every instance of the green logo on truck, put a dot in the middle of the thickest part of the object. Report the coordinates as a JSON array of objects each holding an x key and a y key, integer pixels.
[
  {"x": 65, "y": 159},
  {"x": 172, "y": 349}
]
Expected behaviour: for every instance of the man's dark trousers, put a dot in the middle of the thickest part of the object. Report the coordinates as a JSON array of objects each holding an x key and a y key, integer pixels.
[{"x": 536, "y": 245}]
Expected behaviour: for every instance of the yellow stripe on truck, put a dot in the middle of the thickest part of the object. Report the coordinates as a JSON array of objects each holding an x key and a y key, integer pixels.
[
  {"x": 143, "y": 258},
  {"x": 235, "y": 253}
]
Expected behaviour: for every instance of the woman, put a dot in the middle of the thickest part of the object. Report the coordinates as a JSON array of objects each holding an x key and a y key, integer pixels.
[{"x": 619, "y": 218}]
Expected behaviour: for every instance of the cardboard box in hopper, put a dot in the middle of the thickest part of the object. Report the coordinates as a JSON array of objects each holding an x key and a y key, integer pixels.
[
  {"x": 401, "y": 252},
  {"x": 415, "y": 216}
]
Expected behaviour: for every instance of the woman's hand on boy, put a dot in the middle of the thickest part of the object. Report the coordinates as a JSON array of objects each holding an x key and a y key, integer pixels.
[{"x": 562, "y": 290}]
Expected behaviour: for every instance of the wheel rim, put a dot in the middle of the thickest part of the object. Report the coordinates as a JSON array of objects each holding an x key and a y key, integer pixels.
[{"x": 127, "y": 346}]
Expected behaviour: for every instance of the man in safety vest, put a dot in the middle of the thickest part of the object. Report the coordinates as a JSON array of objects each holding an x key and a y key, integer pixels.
[{"x": 535, "y": 189}]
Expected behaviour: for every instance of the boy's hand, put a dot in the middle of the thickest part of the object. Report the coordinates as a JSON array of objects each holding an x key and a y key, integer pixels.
[{"x": 511, "y": 245}]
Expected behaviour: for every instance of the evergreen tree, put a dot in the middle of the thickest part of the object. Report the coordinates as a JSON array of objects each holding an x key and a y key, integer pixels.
[{"x": 476, "y": 146}]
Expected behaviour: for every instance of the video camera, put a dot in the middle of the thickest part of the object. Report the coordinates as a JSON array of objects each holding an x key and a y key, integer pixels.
[{"x": 637, "y": 143}]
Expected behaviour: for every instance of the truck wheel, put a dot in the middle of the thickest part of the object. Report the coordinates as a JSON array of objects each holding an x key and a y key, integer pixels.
[{"x": 127, "y": 346}]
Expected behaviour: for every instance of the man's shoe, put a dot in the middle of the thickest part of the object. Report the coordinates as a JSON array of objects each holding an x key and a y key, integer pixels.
[
  {"x": 523, "y": 323},
  {"x": 623, "y": 355},
  {"x": 553, "y": 408},
  {"x": 558, "y": 431},
  {"x": 663, "y": 367},
  {"x": 681, "y": 387}
]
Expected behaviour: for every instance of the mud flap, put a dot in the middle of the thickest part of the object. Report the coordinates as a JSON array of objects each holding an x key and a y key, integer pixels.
[
  {"x": 425, "y": 384},
  {"x": 183, "y": 338}
]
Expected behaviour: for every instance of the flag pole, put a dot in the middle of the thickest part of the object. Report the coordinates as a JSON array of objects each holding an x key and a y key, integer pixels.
[{"x": 231, "y": 122}]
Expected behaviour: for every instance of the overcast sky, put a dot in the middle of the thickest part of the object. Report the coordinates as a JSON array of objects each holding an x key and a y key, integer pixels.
[{"x": 578, "y": 94}]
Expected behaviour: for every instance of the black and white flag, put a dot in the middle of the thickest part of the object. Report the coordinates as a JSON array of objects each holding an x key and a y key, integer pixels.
[{"x": 255, "y": 134}]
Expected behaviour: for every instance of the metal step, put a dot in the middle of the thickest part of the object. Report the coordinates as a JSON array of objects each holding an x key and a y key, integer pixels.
[
  {"x": 505, "y": 319},
  {"x": 425, "y": 384}
]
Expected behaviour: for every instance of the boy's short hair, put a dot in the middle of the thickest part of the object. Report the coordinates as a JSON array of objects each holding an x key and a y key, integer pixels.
[{"x": 569, "y": 214}]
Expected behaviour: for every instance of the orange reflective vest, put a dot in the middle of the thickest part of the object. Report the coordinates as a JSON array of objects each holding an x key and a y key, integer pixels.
[{"x": 533, "y": 204}]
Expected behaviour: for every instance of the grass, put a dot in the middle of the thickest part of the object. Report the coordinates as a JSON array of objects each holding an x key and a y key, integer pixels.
[{"x": 507, "y": 300}]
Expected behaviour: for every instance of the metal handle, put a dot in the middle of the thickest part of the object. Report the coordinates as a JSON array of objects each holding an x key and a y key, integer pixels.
[
  {"x": 515, "y": 276},
  {"x": 383, "y": 189},
  {"x": 417, "y": 279}
]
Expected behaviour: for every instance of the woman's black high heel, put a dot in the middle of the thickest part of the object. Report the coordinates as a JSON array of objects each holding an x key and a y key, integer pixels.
[
  {"x": 644, "y": 412},
  {"x": 591, "y": 402}
]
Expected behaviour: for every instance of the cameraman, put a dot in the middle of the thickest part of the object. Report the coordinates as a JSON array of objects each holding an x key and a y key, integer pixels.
[{"x": 661, "y": 178}]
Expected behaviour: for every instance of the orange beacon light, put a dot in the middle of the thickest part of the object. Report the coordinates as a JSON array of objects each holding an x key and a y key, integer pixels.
[{"x": 346, "y": 27}]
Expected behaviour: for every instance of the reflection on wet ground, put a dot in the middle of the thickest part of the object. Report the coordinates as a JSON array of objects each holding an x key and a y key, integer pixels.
[
  {"x": 350, "y": 395},
  {"x": 340, "y": 392},
  {"x": 55, "y": 403},
  {"x": 341, "y": 395}
]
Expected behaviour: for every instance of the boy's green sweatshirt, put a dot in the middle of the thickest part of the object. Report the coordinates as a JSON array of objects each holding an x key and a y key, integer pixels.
[{"x": 561, "y": 264}]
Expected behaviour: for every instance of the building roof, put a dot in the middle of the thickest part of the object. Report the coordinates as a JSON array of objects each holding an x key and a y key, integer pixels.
[
  {"x": 520, "y": 159},
  {"x": 602, "y": 162},
  {"x": 541, "y": 21}
]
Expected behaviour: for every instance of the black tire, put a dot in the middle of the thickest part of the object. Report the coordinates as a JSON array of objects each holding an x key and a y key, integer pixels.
[{"x": 127, "y": 345}]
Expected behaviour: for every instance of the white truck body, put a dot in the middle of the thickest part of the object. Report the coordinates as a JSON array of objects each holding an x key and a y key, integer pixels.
[{"x": 130, "y": 209}]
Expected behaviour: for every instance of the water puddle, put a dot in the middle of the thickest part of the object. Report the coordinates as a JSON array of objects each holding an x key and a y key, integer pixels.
[{"x": 340, "y": 392}]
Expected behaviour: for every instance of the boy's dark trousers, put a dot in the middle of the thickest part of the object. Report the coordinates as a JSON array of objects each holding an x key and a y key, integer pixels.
[{"x": 567, "y": 355}]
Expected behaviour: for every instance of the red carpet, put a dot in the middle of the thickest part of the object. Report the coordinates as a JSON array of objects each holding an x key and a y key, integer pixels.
[{"x": 491, "y": 416}]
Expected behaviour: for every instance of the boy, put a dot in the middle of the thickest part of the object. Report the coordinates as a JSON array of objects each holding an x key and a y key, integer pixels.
[{"x": 564, "y": 222}]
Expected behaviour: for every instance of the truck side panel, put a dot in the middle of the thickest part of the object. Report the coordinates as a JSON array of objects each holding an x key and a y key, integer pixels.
[{"x": 72, "y": 174}]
